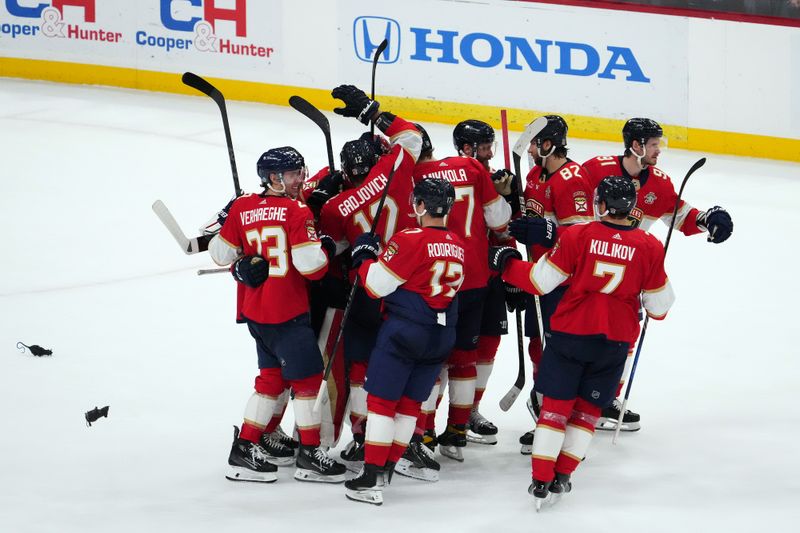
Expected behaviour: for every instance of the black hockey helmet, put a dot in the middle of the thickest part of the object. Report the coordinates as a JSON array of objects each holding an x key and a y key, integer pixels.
[
  {"x": 277, "y": 160},
  {"x": 438, "y": 195},
  {"x": 427, "y": 145},
  {"x": 618, "y": 193},
  {"x": 472, "y": 132},
  {"x": 555, "y": 131},
  {"x": 640, "y": 129},
  {"x": 358, "y": 157}
]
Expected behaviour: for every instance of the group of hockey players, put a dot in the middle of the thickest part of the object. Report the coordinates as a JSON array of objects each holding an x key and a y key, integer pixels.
[{"x": 430, "y": 247}]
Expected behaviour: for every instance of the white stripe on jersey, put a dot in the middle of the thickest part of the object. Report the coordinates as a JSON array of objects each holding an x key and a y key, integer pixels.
[
  {"x": 222, "y": 252},
  {"x": 658, "y": 302},
  {"x": 381, "y": 281},
  {"x": 308, "y": 257},
  {"x": 546, "y": 277},
  {"x": 497, "y": 213}
]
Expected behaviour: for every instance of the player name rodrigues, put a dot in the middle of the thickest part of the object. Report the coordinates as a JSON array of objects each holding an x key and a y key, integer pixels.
[
  {"x": 617, "y": 251},
  {"x": 261, "y": 214},
  {"x": 363, "y": 194},
  {"x": 443, "y": 249}
]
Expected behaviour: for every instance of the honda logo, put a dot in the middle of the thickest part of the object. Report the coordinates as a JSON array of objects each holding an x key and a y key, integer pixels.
[{"x": 368, "y": 32}]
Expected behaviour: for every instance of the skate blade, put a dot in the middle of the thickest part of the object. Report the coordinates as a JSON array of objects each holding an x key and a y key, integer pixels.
[
  {"x": 406, "y": 468},
  {"x": 281, "y": 461},
  {"x": 302, "y": 474},
  {"x": 371, "y": 496},
  {"x": 477, "y": 438},
  {"x": 609, "y": 424},
  {"x": 238, "y": 473},
  {"x": 453, "y": 452},
  {"x": 524, "y": 449}
]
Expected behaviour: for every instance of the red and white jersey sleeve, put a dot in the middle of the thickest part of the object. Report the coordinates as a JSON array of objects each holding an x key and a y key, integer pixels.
[
  {"x": 655, "y": 197},
  {"x": 477, "y": 209},
  {"x": 427, "y": 261},
  {"x": 608, "y": 267},
  {"x": 281, "y": 230}
]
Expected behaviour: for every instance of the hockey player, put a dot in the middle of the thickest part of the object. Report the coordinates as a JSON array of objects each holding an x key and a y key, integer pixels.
[
  {"x": 418, "y": 275},
  {"x": 271, "y": 240},
  {"x": 611, "y": 264},
  {"x": 556, "y": 194},
  {"x": 345, "y": 216},
  {"x": 478, "y": 209},
  {"x": 655, "y": 199}
]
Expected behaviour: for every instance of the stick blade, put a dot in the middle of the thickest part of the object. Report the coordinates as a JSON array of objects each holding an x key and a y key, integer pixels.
[
  {"x": 196, "y": 82},
  {"x": 511, "y": 396},
  {"x": 164, "y": 214},
  {"x": 531, "y": 131},
  {"x": 309, "y": 110},
  {"x": 699, "y": 163}
]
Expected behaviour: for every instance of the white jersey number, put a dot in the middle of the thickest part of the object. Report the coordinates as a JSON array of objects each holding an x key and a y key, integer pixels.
[
  {"x": 274, "y": 240},
  {"x": 390, "y": 212},
  {"x": 453, "y": 274},
  {"x": 603, "y": 269},
  {"x": 468, "y": 194}
]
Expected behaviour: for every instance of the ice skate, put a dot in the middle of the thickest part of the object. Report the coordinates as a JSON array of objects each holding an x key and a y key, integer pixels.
[
  {"x": 452, "y": 441},
  {"x": 430, "y": 440},
  {"x": 353, "y": 455},
  {"x": 248, "y": 462},
  {"x": 285, "y": 439},
  {"x": 277, "y": 452},
  {"x": 481, "y": 431},
  {"x": 610, "y": 415},
  {"x": 313, "y": 464},
  {"x": 526, "y": 443},
  {"x": 368, "y": 486},
  {"x": 418, "y": 462},
  {"x": 540, "y": 490},
  {"x": 561, "y": 485}
]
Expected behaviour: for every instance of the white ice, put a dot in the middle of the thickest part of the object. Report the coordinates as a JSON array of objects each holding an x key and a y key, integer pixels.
[{"x": 88, "y": 271}]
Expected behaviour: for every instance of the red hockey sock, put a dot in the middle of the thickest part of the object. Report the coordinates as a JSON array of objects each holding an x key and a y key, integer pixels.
[
  {"x": 549, "y": 437},
  {"x": 308, "y": 422},
  {"x": 578, "y": 436},
  {"x": 380, "y": 429}
]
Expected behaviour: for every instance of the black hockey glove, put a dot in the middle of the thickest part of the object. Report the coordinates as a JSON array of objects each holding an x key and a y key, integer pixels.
[
  {"x": 252, "y": 270},
  {"x": 718, "y": 223},
  {"x": 356, "y": 103},
  {"x": 530, "y": 231},
  {"x": 515, "y": 298},
  {"x": 222, "y": 216},
  {"x": 367, "y": 246},
  {"x": 327, "y": 188},
  {"x": 498, "y": 255},
  {"x": 328, "y": 244}
]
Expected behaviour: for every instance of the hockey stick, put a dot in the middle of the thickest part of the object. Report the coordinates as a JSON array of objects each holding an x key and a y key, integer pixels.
[
  {"x": 316, "y": 116},
  {"x": 519, "y": 148},
  {"x": 322, "y": 395},
  {"x": 189, "y": 246},
  {"x": 700, "y": 162},
  {"x": 378, "y": 52},
  {"x": 206, "y": 271},
  {"x": 196, "y": 82}
]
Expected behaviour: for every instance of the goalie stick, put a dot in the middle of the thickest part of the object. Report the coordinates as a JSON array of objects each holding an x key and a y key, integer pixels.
[
  {"x": 189, "y": 246},
  {"x": 699, "y": 163},
  {"x": 519, "y": 148},
  {"x": 307, "y": 108},
  {"x": 322, "y": 395},
  {"x": 196, "y": 82},
  {"x": 378, "y": 52}
]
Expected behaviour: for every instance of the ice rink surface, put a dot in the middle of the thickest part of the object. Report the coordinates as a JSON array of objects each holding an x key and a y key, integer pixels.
[{"x": 90, "y": 272}]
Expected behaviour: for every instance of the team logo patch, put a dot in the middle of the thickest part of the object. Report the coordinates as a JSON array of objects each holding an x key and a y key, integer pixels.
[
  {"x": 580, "y": 202},
  {"x": 391, "y": 251},
  {"x": 534, "y": 208},
  {"x": 311, "y": 231},
  {"x": 595, "y": 394},
  {"x": 650, "y": 198},
  {"x": 635, "y": 217},
  {"x": 547, "y": 193}
]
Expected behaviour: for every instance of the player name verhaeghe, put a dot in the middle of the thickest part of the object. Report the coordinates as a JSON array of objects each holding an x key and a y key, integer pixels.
[
  {"x": 618, "y": 251},
  {"x": 443, "y": 249},
  {"x": 263, "y": 213}
]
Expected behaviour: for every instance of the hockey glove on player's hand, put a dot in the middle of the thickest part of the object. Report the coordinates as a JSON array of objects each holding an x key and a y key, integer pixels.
[
  {"x": 367, "y": 246},
  {"x": 328, "y": 244},
  {"x": 498, "y": 255},
  {"x": 718, "y": 223},
  {"x": 356, "y": 103},
  {"x": 530, "y": 231},
  {"x": 215, "y": 224},
  {"x": 503, "y": 180},
  {"x": 515, "y": 298},
  {"x": 327, "y": 188},
  {"x": 252, "y": 270}
]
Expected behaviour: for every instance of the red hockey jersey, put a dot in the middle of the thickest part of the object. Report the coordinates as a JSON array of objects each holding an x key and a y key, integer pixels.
[
  {"x": 609, "y": 267},
  {"x": 477, "y": 209},
  {"x": 655, "y": 196},
  {"x": 282, "y": 231}
]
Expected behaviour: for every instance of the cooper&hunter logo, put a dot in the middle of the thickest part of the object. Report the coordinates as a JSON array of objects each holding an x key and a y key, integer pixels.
[{"x": 368, "y": 32}]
